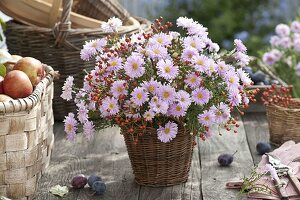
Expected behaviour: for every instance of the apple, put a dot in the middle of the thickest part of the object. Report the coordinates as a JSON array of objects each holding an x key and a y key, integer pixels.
[
  {"x": 4, "y": 97},
  {"x": 32, "y": 67},
  {"x": 16, "y": 84},
  {"x": 1, "y": 85}
]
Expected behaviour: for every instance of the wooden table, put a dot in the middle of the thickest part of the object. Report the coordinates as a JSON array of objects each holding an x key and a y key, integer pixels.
[{"x": 106, "y": 156}]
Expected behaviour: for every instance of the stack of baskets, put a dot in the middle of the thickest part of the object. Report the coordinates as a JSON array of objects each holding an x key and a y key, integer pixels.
[
  {"x": 26, "y": 140},
  {"x": 284, "y": 123},
  {"x": 60, "y": 46}
]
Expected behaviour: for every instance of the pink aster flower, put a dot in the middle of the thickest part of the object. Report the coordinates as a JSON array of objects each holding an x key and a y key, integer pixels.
[
  {"x": 111, "y": 25},
  {"x": 295, "y": 26},
  {"x": 183, "y": 98},
  {"x": 115, "y": 63},
  {"x": 95, "y": 45},
  {"x": 177, "y": 110},
  {"x": 70, "y": 126},
  {"x": 212, "y": 46},
  {"x": 194, "y": 42},
  {"x": 282, "y": 30},
  {"x": 151, "y": 86},
  {"x": 210, "y": 67},
  {"x": 67, "y": 89},
  {"x": 86, "y": 54},
  {"x": 193, "y": 80},
  {"x": 166, "y": 93},
  {"x": 244, "y": 77},
  {"x": 243, "y": 59},
  {"x": 275, "y": 40},
  {"x": 109, "y": 106},
  {"x": 197, "y": 29},
  {"x": 139, "y": 96},
  {"x": 118, "y": 88},
  {"x": 157, "y": 52},
  {"x": 269, "y": 58},
  {"x": 206, "y": 118},
  {"x": 199, "y": 62},
  {"x": 232, "y": 80},
  {"x": 235, "y": 98},
  {"x": 166, "y": 69},
  {"x": 82, "y": 112},
  {"x": 188, "y": 53},
  {"x": 161, "y": 39},
  {"x": 240, "y": 46},
  {"x": 269, "y": 168},
  {"x": 201, "y": 96},
  {"x": 297, "y": 44},
  {"x": 88, "y": 129},
  {"x": 222, "y": 68},
  {"x": 174, "y": 34},
  {"x": 285, "y": 42},
  {"x": 298, "y": 69},
  {"x": 221, "y": 113},
  {"x": 167, "y": 133},
  {"x": 184, "y": 22},
  {"x": 134, "y": 66},
  {"x": 157, "y": 105},
  {"x": 149, "y": 115}
]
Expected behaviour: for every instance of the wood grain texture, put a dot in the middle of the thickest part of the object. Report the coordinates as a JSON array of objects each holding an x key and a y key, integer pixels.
[
  {"x": 214, "y": 177},
  {"x": 256, "y": 127}
]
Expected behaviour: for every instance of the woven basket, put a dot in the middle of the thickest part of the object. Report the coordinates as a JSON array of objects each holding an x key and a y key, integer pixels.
[
  {"x": 26, "y": 140},
  {"x": 60, "y": 48},
  {"x": 155, "y": 163},
  {"x": 284, "y": 123}
]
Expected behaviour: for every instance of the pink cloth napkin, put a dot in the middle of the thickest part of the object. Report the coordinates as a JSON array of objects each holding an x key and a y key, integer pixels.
[{"x": 289, "y": 154}]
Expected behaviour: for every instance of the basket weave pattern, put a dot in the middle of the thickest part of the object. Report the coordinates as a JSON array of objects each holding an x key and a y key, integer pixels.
[
  {"x": 155, "y": 163},
  {"x": 284, "y": 123},
  {"x": 26, "y": 140},
  {"x": 60, "y": 48}
]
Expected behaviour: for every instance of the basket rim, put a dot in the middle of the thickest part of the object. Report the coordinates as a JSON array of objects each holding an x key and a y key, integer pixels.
[
  {"x": 27, "y": 103},
  {"x": 285, "y": 109}
]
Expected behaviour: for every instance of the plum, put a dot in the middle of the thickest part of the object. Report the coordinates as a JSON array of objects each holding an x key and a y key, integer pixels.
[
  {"x": 263, "y": 147},
  {"x": 99, "y": 187},
  {"x": 92, "y": 179},
  {"x": 79, "y": 181}
]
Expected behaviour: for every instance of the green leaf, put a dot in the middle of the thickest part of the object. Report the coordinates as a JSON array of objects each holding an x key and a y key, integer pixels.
[
  {"x": 2, "y": 70},
  {"x": 2, "y": 24},
  {"x": 59, "y": 190}
]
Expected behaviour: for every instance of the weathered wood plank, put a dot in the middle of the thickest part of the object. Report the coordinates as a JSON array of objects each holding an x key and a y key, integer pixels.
[
  {"x": 105, "y": 155},
  {"x": 214, "y": 177},
  {"x": 256, "y": 127}
]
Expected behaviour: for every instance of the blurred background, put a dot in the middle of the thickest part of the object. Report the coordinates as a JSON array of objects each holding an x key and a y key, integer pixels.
[{"x": 252, "y": 21}]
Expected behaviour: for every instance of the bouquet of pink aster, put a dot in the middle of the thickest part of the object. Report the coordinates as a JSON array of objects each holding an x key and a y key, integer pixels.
[
  {"x": 161, "y": 79},
  {"x": 283, "y": 57}
]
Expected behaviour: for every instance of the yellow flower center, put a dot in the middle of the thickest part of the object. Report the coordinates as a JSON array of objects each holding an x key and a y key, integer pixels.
[
  {"x": 206, "y": 118},
  {"x": 231, "y": 80},
  {"x": 156, "y": 51},
  {"x": 94, "y": 44},
  {"x": 166, "y": 94},
  {"x": 160, "y": 40},
  {"x": 111, "y": 106},
  {"x": 69, "y": 127},
  {"x": 151, "y": 89},
  {"x": 200, "y": 95},
  {"x": 190, "y": 55},
  {"x": 219, "y": 113},
  {"x": 178, "y": 108},
  {"x": 193, "y": 44},
  {"x": 182, "y": 99},
  {"x": 193, "y": 80},
  {"x": 120, "y": 89},
  {"x": 135, "y": 66},
  {"x": 139, "y": 96},
  {"x": 167, "y": 69},
  {"x": 167, "y": 130},
  {"x": 113, "y": 63},
  {"x": 200, "y": 62}
]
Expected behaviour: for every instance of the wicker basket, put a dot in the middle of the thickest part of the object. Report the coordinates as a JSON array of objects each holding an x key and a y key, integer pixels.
[
  {"x": 155, "y": 163},
  {"x": 284, "y": 123},
  {"x": 26, "y": 140},
  {"x": 60, "y": 48}
]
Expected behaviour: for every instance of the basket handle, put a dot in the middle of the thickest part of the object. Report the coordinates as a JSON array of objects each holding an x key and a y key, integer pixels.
[{"x": 62, "y": 28}]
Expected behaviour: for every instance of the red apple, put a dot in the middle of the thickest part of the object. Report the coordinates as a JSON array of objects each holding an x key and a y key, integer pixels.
[
  {"x": 32, "y": 67},
  {"x": 1, "y": 85},
  {"x": 16, "y": 84},
  {"x": 4, "y": 97}
]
